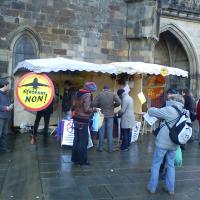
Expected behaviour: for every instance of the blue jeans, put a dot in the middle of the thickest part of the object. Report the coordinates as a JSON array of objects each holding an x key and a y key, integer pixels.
[
  {"x": 156, "y": 162},
  {"x": 199, "y": 135},
  {"x": 108, "y": 125}
]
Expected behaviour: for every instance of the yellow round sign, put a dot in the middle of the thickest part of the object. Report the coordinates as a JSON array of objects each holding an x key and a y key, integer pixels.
[
  {"x": 164, "y": 71},
  {"x": 35, "y": 91}
]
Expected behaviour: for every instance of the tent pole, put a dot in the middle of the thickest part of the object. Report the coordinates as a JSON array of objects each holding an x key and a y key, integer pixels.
[
  {"x": 118, "y": 119},
  {"x": 59, "y": 100},
  {"x": 59, "y": 105}
]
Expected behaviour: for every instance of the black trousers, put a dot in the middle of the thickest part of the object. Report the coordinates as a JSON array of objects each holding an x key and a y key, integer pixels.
[
  {"x": 46, "y": 116},
  {"x": 79, "y": 149},
  {"x": 126, "y": 134}
]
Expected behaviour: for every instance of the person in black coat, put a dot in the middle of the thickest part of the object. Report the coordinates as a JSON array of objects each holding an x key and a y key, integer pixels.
[
  {"x": 189, "y": 103},
  {"x": 68, "y": 98}
]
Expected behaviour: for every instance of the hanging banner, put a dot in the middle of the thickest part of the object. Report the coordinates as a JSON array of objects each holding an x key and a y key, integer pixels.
[
  {"x": 35, "y": 91},
  {"x": 155, "y": 86}
]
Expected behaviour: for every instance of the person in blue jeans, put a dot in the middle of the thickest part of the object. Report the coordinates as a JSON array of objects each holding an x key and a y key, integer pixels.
[
  {"x": 164, "y": 145},
  {"x": 106, "y": 100},
  {"x": 158, "y": 156}
]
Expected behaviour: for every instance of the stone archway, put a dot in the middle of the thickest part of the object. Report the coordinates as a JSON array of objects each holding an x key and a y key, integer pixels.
[
  {"x": 185, "y": 43},
  {"x": 19, "y": 32},
  {"x": 13, "y": 37}
]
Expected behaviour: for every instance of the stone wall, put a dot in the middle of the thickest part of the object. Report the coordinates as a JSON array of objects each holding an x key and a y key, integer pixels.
[
  {"x": 98, "y": 31},
  {"x": 187, "y": 5},
  {"x": 186, "y": 9},
  {"x": 90, "y": 30},
  {"x": 142, "y": 29}
]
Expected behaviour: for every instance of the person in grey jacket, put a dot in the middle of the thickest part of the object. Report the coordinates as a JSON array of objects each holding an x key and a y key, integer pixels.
[
  {"x": 106, "y": 101},
  {"x": 5, "y": 114},
  {"x": 127, "y": 118},
  {"x": 164, "y": 145}
]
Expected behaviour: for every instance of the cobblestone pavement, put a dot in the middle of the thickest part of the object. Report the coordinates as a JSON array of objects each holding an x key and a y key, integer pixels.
[{"x": 37, "y": 172}]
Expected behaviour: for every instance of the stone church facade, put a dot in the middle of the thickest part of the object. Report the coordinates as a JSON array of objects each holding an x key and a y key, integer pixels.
[{"x": 160, "y": 31}]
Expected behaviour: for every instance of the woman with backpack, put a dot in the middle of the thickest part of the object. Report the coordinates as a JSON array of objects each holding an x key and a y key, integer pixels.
[{"x": 164, "y": 144}]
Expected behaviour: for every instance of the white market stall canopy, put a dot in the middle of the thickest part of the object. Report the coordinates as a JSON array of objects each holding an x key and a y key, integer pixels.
[
  {"x": 64, "y": 64},
  {"x": 145, "y": 68}
]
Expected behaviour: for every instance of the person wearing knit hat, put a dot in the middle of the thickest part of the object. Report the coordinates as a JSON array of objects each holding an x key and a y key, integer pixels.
[
  {"x": 171, "y": 92},
  {"x": 90, "y": 86},
  {"x": 83, "y": 109}
]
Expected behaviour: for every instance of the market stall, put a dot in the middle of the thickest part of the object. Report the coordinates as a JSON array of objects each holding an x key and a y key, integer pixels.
[
  {"x": 116, "y": 75},
  {"x": 59, "y": 70},
  {"x": 152, "y": 79}
]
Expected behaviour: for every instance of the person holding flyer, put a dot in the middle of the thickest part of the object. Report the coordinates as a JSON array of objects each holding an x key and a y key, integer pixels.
[{"x": 5, "y": 114}]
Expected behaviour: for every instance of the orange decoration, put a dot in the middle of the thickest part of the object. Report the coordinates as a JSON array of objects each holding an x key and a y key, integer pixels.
[{"x": 155, "y": 86}]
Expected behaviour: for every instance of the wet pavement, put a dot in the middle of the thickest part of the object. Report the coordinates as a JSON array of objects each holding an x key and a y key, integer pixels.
[{"x": 37, "y": 172}]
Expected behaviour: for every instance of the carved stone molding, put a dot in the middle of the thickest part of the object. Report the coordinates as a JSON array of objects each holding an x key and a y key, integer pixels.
[{"x": 135, "y": 1}]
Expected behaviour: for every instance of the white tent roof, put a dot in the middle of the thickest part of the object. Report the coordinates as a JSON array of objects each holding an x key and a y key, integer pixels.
[
  {"x": 63, "y": 64},
  {"x": 145, "y": 68}
]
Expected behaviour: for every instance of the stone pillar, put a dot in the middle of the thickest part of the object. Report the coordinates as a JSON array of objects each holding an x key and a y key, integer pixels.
[{"x": 142, "y": 29}]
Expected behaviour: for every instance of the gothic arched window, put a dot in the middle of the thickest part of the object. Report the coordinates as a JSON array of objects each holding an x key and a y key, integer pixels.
[{"x": 24, "y": 48}]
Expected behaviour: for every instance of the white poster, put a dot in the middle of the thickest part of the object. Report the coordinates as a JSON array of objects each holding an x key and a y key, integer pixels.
[
  {"x": 141, "y": 97},
  {"x": 149, "y": 119},
  {"x": 136, "y": 131},
  {"x": 68, "y": 134}
]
